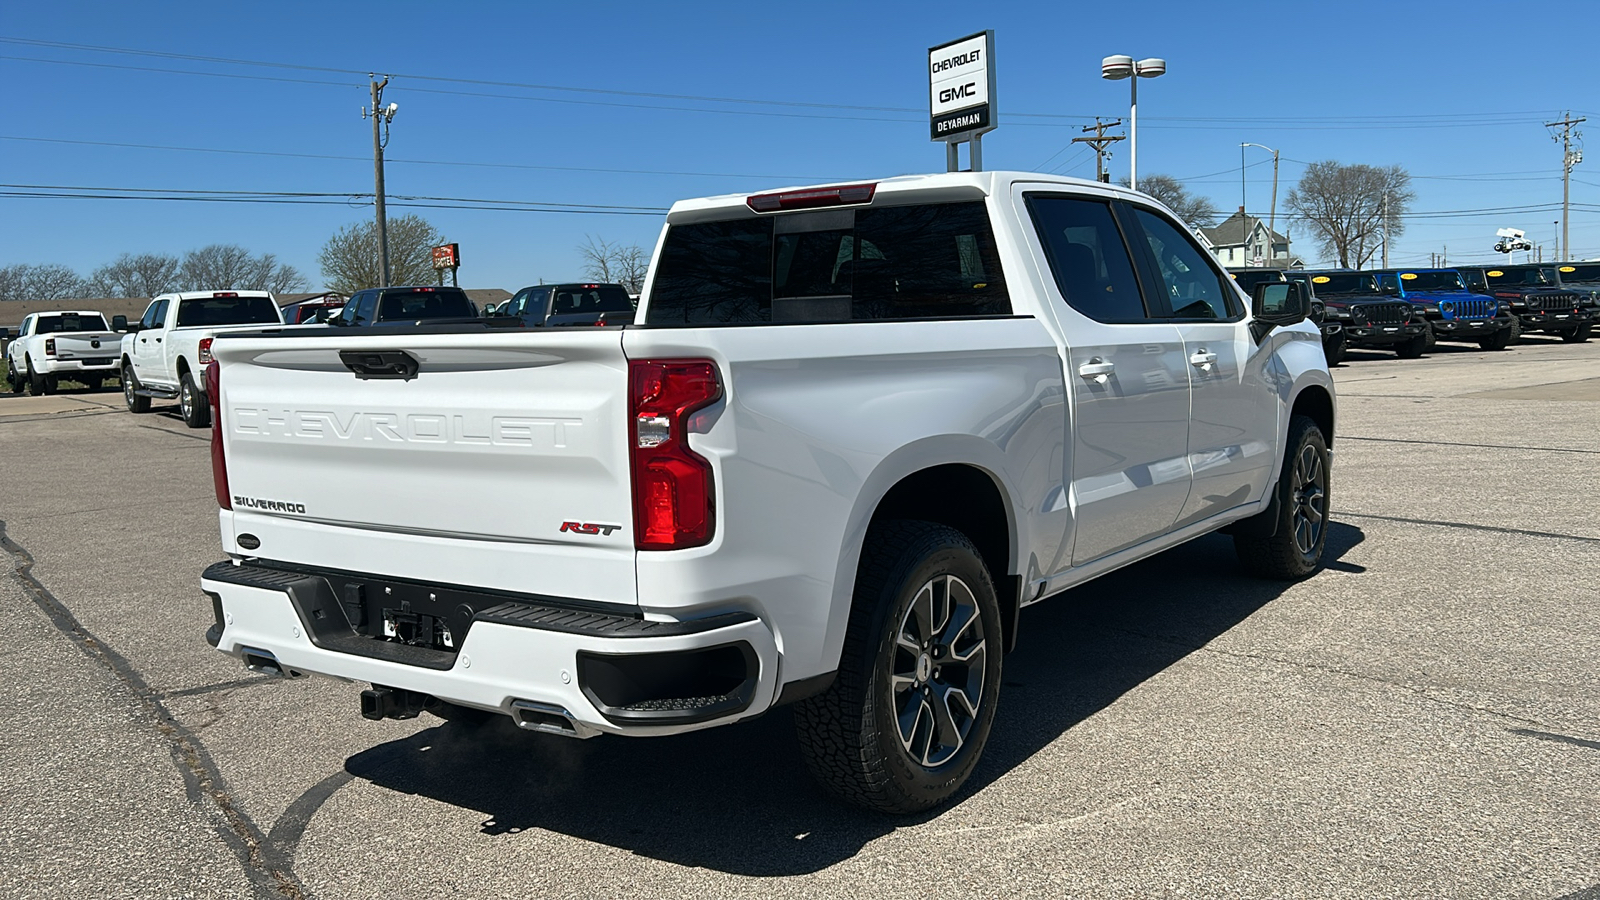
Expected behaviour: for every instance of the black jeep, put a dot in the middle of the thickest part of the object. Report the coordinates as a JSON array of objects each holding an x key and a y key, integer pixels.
[
  {"x": 1369, "y": 318},
  {"x": 1540, "y": 303}
]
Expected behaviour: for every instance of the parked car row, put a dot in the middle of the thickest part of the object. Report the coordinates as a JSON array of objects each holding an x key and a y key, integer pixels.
[{"x": 1410, "y": 310}]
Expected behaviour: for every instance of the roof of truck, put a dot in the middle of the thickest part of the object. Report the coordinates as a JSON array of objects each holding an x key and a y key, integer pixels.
[{"x": 948, "y": 186}]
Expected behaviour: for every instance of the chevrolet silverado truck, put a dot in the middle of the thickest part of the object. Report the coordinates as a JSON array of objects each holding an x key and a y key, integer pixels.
[
  {"x": 555, "y": 305},
  {"x": 1452, "y": 312},
  {"x": 855, "y": 429},
  {"x": 51, "y": 346},
  {"x": 1369, "y": 317},
  {"x": 1540, "y": 303},
  {"x": 164, "y": 354}
]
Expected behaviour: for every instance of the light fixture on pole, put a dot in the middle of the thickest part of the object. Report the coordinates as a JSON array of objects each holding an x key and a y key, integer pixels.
[
  {"x": 1116, "y": 68},
  {"x": 1272, "y": 216}
]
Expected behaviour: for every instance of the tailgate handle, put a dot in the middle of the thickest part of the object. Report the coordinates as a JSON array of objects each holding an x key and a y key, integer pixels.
[{"x": 380, "y": 364}]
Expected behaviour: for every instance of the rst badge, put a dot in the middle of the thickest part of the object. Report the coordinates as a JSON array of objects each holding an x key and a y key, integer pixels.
[{"x": 588, "y": 528}]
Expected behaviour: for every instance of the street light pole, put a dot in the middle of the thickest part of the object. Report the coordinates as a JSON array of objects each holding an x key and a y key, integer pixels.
[
  {"x": 1116, "y": 68},
  {"x": 1272, "y": 216}
]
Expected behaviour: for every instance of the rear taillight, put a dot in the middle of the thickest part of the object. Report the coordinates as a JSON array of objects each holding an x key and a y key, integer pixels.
[
  {"x": 205, "y": 351},
  {"x": 674, "y": 504},
  {"x": 219, "y": 462},
  {"x": 49, "y": 346}
]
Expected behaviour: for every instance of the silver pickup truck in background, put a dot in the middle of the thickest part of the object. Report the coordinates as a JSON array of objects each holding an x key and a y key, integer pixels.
[{"x": 853, "y": 431}]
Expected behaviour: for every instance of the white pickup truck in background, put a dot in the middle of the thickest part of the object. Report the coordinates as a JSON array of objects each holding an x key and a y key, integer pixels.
[
  {"x": 50, "y": 346},
  {"x": 165, "y": 352},
  {"x": 854, "y": 431}
]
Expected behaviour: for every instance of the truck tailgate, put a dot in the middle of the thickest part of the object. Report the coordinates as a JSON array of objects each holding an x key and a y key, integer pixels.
[
  {"x": 87, "y": 345},
  {"x": 464, "y": 474}
]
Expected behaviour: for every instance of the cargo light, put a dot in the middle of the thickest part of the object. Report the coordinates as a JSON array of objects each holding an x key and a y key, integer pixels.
[
  {"x": 226, "y": 294},
  {"x": 674, "y": 501},
  {"x": 846, "y": 195},
  {"x": 219, "y": 462},
  {"x": 205, "y": 350}
]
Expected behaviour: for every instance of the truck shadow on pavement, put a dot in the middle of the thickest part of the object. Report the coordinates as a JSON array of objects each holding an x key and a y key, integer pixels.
[{"x": 738, "y": 799}]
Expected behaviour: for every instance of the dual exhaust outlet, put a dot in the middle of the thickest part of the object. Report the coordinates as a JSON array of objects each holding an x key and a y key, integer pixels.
[{"x": 380, "y": 702}]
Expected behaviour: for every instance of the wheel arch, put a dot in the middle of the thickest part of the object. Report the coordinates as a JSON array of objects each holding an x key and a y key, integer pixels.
[{"x": 1316, "y": 403}]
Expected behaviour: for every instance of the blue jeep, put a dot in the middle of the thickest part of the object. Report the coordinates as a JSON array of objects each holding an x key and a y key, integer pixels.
[{"x": 1452, "y": 312}]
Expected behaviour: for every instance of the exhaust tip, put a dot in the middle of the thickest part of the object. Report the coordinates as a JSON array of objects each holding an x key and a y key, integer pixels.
[
  {"x": 549, "y": 718},
  {"x": 262, "y": 661}
]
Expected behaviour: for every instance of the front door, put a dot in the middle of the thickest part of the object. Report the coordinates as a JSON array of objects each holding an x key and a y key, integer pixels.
[
  {"x": 1233, "y": 420},
  {"x": 1126, "y": 471}
]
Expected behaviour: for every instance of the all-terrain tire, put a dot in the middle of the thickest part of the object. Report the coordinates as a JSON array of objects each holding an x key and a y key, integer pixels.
[
  {"x": 1578, "y": 335},
  {"x": 1295, "y": 549},
  {"x": 1500, "y": 340},
  {"x": 196, "y": 411},
  {"x": 1415, "y": 347},
  {"x": 137, "y": 403},
  {"x": 1335, "y": 351},
  {"x": 922, "y": 654}
]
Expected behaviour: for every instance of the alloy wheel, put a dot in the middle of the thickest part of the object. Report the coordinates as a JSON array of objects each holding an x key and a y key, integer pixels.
[
  {"x": 937, "y": 672},
  {"x": 1310, "y": 500}
]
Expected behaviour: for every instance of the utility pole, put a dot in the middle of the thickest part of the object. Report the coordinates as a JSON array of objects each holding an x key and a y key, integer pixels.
[
  {"x": 1385, "y": 228},
  {"x": 1569, "y": 158},
  {"x": 1100, "y": 142},
  {"x": 380, "y": 115}
]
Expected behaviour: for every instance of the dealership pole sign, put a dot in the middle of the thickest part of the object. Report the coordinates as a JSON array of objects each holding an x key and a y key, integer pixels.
[{"x": 961, "y": 100}]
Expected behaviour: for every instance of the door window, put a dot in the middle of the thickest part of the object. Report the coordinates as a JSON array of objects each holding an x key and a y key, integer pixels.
[
  {"x": 1088, "y": 257},
  {"x": 154, "y": 315},
  {"x": 1190, "y": 285}
]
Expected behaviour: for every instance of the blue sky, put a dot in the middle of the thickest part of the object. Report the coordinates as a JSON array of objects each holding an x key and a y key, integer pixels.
[{"x": 1456, "y": 92}]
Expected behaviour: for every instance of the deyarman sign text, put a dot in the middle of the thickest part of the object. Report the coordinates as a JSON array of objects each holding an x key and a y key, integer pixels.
[{"x": 961, "y": 88}]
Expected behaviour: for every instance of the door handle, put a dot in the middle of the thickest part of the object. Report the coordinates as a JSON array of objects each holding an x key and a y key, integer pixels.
[
  {"x": 1203, "y": 360},
  {"x": 158, "y": 340},
  {"x": 1097, "y": 370}
]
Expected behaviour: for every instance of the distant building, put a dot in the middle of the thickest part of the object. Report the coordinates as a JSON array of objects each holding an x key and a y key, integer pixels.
[{"x": 1244, "y": 240}]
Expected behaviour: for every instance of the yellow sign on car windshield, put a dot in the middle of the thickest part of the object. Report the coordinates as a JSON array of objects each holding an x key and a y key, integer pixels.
[
  {"x": 1495, "y": 273},
  {"x": 1321, "y": 279},
  {"x": 1408, "y": 276},
  {"x": 1568, "y": 269}
]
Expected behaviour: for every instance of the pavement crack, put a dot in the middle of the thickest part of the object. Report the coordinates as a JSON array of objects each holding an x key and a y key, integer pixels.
[
  {"x": 1421, "y": 692},
  {"x": 1472, "y": 526},
  {"x": 202, "y": 778},
  {"x": 1351, "y": 437}
]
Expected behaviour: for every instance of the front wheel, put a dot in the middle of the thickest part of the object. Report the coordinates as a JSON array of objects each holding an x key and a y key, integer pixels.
[
  {"x": 1334, "y": 349},
  {"x": 137, "y": 403},
  {"x": 1300, "y": 528},
  {"x": 1415, "y": 347},
  {"x": 196, "y": 414},
  {"x": 908, "y": 714},
  {"x": 1500, "y": 340},
  {"x": 1578, "y": 335}
]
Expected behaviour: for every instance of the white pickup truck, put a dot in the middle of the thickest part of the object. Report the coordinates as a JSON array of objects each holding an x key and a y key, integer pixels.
[
  {"x": 74, "y": 344},
  {"x": 164, "y": 353},
  {"x": 855, "y": 429}
]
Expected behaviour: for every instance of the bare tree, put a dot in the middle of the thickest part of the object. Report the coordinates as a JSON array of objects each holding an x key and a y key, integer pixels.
[
  {"x": 1349, "y": 208},
  {"x": 144, "y": 275},
  {"x": 614, "y": 263},
  {"x": 1197, "y": 211},
  {"x": 39, "y": 282},
  {"x": 349, "y": 259}
]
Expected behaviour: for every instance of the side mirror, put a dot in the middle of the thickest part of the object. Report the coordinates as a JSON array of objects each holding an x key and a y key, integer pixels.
[
  {"x": 119, "y": 323},
  {"x": 1277, "y": 305}
]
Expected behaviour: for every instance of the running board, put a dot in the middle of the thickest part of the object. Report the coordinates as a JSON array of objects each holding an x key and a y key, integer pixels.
[{"x": 157, "y": 393}]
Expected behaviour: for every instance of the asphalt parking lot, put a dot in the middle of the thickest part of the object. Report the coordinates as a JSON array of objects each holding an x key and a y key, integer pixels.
[{"x": 1422, "y": 719}]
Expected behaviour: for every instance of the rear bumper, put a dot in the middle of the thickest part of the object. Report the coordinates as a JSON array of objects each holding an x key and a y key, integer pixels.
[
  {"x": 606, "y": 672},
  {"x": 96, "y": 365}
]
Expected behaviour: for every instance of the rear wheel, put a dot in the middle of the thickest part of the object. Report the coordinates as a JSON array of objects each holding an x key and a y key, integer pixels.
[
  {"x": 137, "y": 403},
  {"x": 908, "y": 714},
  {"x": 1578, "y": 335},
  {"x": 1300, "y": 531},
  {"x": 196, "y": 414},
  {"x": 37, "y": 384}
]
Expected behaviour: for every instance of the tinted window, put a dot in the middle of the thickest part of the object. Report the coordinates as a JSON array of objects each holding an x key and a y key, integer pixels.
[
  {"x": 1530, "y": 276},
  {"x": 575, "y": 299},
  {"x": 1431, "y": 281},
  {"x": 930, "y": 261},
  {"x": 70, "y": 322},
  {"x": 1088, "y": 257},
  {"x": 1343, "y": 283},
  {"x": 203, "y": 311},
  {"x": 154, "y": 315},
  {"x": 1192, "y": 288},
  {"x": 1580, "y": 273},
  {"x": 440, "y": 303}
]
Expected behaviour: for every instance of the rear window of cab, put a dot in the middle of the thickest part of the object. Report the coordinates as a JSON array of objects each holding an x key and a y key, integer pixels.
[{"x": 930, "y": 261}]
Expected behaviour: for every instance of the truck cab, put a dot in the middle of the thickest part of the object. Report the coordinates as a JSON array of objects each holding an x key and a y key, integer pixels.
[
  {"x": 1452, "y": 312},
  {"x": 1534, "y": 294}
]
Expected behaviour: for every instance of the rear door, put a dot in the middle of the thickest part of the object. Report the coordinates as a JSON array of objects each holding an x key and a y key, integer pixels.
[
  {"x": 1126, "y": 373},
  {"x": 1233, "y": 405},
  {"x": 467, "y": 472}
]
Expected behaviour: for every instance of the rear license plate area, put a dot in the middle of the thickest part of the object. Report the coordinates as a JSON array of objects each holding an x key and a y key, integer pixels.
[{"x": 414, "y": 615}]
